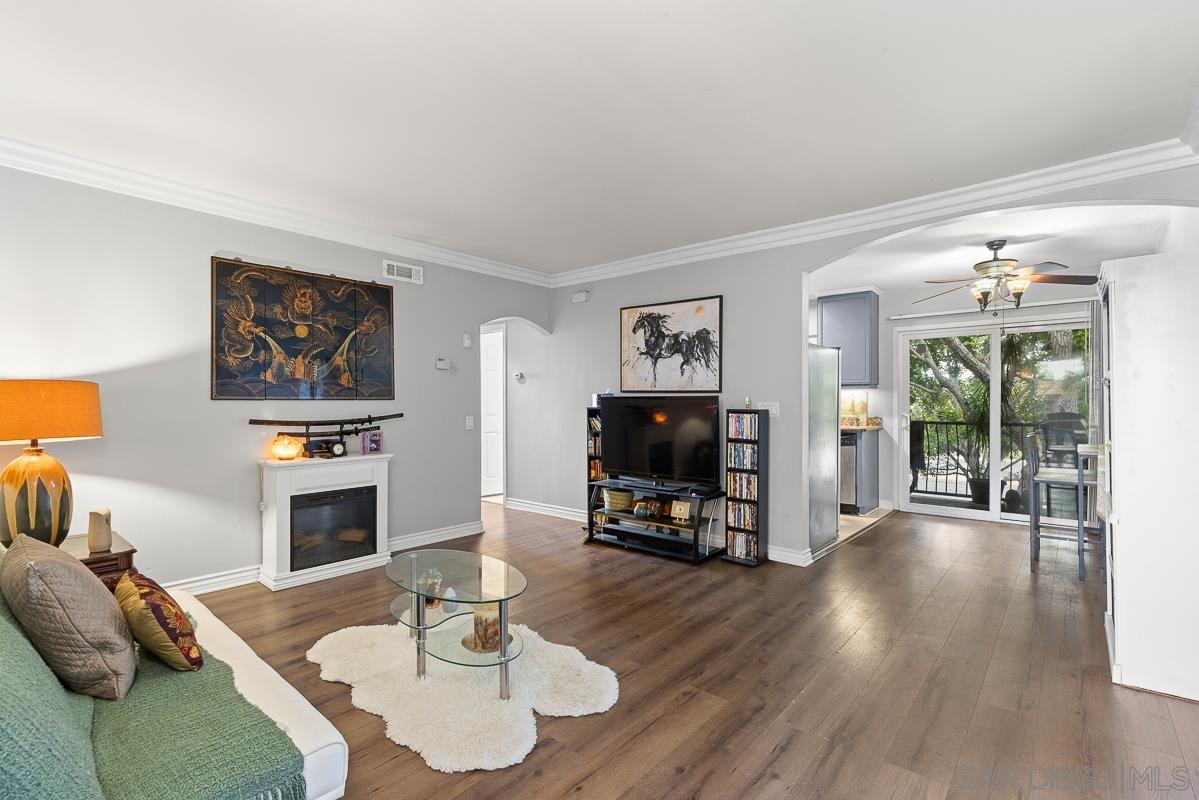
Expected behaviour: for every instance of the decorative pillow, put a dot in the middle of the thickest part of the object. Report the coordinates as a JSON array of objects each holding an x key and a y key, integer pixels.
[
  {"x": 157, "y": 621},
  {"x": 70, "y": 617}
]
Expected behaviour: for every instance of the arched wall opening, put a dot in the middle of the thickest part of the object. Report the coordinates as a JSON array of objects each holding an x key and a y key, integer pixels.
[
  {"x": 898, "y": 265},
  {"x": 504, "y": 342}
]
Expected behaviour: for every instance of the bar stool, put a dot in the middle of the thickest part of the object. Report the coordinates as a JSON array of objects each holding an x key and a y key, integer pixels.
[{"x": 1076, "y": 477}]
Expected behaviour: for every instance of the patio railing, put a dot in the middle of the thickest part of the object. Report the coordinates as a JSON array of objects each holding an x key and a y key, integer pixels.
[{"x": 948, "y": 446}]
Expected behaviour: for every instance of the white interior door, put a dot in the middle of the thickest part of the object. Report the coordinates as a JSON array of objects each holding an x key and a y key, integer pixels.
[{"x": 491, "y": 358}]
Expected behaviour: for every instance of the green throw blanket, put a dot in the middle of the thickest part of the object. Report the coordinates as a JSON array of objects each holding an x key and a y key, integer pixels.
[{"x": 192, "y": 735}]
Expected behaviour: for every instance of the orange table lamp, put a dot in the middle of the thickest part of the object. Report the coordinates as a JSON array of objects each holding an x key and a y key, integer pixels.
[{"x": 35, "y": 487}]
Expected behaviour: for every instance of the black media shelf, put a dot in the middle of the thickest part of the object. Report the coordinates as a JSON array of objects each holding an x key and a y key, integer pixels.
[
  {"x": 696, "y": 539},
  {"x": 746, "y": 485}
]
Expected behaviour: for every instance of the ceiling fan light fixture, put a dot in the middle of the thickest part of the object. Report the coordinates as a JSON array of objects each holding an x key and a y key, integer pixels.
[
  {"x": 1003, "y": 280},
  {"x": 1017, "y": 286},
  {"x": 979, "y": 295}
]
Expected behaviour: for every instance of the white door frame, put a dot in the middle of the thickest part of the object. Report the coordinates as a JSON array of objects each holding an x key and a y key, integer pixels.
[
  {"x": 902, "y": 336},
  {"x": 495, "y": 327}
]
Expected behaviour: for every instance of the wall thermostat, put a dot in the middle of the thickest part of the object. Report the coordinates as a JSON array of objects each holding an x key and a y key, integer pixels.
[{"x": 443, "y": 363}]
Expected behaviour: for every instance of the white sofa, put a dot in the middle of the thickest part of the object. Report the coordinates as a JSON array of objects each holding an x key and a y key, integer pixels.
[{"x": 326, "y": 756}]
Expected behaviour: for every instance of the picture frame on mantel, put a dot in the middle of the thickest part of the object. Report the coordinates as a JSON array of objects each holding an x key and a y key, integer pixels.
[
  {"x": 282, "y": 334},
  {"x": 672, "y": 347}
]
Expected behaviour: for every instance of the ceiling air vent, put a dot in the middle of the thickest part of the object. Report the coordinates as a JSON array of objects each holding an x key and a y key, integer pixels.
[{"x": 404, "y": 273}]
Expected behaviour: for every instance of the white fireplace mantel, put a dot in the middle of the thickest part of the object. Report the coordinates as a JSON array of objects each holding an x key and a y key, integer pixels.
[{"x": 283, "y": 479}]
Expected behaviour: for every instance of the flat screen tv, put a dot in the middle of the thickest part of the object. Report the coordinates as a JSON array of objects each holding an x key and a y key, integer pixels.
[{"x": 663, "y": 438}]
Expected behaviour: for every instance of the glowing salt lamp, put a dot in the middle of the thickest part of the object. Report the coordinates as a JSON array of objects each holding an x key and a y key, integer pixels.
[{"x": 285, "y": 448}]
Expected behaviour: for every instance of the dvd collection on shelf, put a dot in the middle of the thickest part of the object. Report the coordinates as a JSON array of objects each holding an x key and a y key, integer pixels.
[
  {"x": 742, "y": 515},
  {"x": 742, "y": 456},
  {"x": 743, "y": 426},
  {"x": 742, "y": 486},
  {"x": 742, "y": 545},
  {"x": 745, "y": 485}
]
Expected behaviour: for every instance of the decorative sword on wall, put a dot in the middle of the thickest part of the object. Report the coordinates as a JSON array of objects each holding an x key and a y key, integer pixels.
[{"x": 329, "y": 443}]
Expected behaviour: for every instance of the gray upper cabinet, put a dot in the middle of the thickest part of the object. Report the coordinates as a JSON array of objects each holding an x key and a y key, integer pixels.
[{"x": 850, "y": 321}]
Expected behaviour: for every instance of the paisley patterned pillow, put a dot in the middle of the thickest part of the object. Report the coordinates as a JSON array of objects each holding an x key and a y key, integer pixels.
[{"x": 157, "y": 622}]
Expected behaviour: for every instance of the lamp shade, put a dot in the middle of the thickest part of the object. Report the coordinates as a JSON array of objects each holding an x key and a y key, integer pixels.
[{"x": 50, "y": 411}]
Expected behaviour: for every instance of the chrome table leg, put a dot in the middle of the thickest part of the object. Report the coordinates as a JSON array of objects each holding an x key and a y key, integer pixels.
[
  {"x": 421, "y": 634},
  {"x": 417, "y": 618},
  {"x": 413, "y": 596},
  {"x": 504, "y": 649}
]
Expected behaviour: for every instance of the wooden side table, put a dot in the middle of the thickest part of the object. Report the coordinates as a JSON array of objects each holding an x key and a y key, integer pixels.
[{"x": 108, "y": 566}]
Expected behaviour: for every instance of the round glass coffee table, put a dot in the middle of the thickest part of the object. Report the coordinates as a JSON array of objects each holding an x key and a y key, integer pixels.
[{"x": 446, "y": 590}]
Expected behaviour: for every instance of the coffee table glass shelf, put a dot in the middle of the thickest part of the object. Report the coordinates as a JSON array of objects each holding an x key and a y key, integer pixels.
[{"x": 448, "y": 590}]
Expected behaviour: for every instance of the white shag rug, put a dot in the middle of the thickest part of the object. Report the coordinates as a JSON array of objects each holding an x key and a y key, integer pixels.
[{"x": 454, "y": 717}]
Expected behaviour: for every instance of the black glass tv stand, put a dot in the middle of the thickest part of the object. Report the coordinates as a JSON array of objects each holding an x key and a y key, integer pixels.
[{"x": 692, "y": 537}]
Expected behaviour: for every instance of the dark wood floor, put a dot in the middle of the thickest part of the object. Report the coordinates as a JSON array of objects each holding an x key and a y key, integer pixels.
[{"x": 913, "y": 662}]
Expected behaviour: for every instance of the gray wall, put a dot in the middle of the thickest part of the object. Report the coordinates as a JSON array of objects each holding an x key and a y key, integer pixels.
[
  {"x": 117, "y": 290},
  {"x": 764, "y": 335},
  {"x": 764, "y": 318}
]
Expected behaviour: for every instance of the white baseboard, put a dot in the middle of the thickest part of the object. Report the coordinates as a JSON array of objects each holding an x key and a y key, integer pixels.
[
  {"x": 243, "y": 575},
  {"x": 786, "y": 555},
  {"x": 314, "y": 574},
  {"x": 562, "y": 512},
  {"x": 887, "y": 504},
  {"x": 406, "y": 541},
  {"x": 216, "y": 581},
  {"x": 1109, "y": 629}
]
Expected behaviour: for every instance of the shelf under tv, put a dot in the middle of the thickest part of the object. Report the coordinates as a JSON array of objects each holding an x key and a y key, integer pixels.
[
  {"x": 651, "y": 522},
  {"x": 689, "y": 541},
  {"x": 657, "y": 549}
]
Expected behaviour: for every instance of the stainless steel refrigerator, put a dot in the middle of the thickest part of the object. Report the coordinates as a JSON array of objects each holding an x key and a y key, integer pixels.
[{"x": 824, "y": 445}]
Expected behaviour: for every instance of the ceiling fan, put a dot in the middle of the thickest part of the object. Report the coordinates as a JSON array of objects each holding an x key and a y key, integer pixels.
[{"x": 1004, "y": 278}]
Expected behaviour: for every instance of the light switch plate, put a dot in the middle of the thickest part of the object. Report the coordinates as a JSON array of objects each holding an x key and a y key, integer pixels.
[
  {"x": 772, "y": 407},
  {"x": 467, "y": 341},
  {"x": 470, "y": 423}
]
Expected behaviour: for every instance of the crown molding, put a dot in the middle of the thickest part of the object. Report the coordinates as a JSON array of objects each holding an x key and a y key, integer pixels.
[
  {"x": 1144, "y": 160},
  {"x": 1131, "y": 163},
  {"x": 53, "y": 164}
]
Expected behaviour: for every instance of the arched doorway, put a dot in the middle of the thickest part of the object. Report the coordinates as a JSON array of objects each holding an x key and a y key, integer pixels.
[
  {"x": 959, "y": 389},
  {"x": 493, "y": 404}
]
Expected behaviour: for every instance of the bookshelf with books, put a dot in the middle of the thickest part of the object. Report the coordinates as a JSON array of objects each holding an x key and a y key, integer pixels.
[
  {"x": 595, "y": 471},
  {"x": 747, "y": 468}
]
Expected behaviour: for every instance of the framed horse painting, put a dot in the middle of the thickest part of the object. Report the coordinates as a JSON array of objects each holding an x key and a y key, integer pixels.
[{"x": 672, "y": 347}]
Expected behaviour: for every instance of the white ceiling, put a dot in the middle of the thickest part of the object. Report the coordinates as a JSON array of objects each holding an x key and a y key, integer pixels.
[
  {"x": 555, "y": 135},
  {"x": 1080, "y": 237}
]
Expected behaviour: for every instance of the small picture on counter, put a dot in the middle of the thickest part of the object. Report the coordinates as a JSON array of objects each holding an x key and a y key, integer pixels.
[{"x": 372, "y": 442}]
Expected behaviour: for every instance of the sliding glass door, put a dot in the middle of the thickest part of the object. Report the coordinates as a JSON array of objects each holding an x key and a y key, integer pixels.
[
  {"x": 1045, "y": 390},
  {"x": 949, "y": 421},
  {"x": 970, "y": 398}
]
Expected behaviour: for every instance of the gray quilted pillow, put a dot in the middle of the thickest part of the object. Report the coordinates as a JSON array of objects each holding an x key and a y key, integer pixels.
[{"x": 72, "y": 620}]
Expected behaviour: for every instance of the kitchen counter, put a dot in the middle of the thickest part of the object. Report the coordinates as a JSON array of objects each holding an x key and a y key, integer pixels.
[{"x": 856, "y": 428}]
